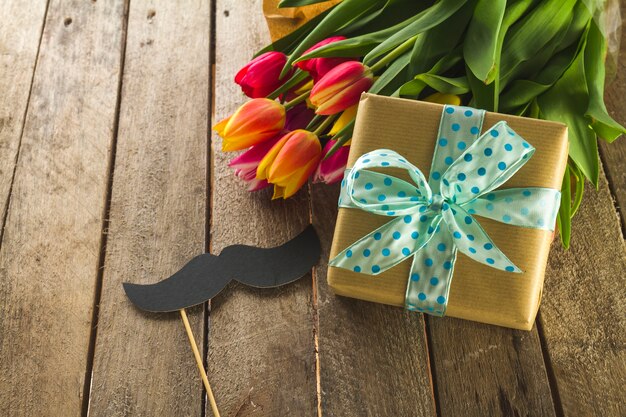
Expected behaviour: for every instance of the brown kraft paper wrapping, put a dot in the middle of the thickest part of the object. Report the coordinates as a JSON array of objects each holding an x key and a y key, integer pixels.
[
  {"x": 477, "y": 292},
  {"x": 281, "y": 22}
]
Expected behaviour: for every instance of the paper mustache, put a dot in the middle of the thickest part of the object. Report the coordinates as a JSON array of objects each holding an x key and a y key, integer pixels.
[{"x": 206, "y": 275}]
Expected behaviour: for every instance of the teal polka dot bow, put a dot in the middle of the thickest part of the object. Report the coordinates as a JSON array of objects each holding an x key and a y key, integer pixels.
[{"x": 434, "y": 219}]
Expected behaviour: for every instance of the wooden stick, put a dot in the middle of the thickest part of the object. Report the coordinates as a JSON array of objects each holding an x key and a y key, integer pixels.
[{"x": 196, "y": 354}]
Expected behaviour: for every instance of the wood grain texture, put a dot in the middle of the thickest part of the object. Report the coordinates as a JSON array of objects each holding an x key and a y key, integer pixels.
[
  {"x": 373, "y": 358},
  {"x": 483, "y": 370},
  {"x": 143, "y": 363},
  {"x": 582, "y": 315},
  {"x": 614, "y": 154},
  {"x": 50, "y": 251},
  {"x": 19, "y": 42},
  {"x": 261, "y": 346}
]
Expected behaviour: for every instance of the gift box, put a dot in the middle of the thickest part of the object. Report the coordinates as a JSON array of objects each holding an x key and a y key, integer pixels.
[{"x": 502, "y": 290}]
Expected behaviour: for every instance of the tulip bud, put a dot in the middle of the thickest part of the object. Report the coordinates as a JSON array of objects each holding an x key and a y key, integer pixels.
[
  {"x": 318, "y": 67},
  {"x": 442, "y": 98},
  {"x": 290, "y": 162},
  {"x": 254, "y": 122},
  {"x": 330, "y": 170},
  {"x": 346, "y": 117},
  {"x": 261, "y": 76},
  {"x": 341, "y": 87}
]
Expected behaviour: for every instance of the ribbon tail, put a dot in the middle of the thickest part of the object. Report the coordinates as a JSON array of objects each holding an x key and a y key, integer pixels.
[
  {"x": 473, "y": 241},
  {"x": 431, "y": 275},
  {"x": 531, "y": 207}
]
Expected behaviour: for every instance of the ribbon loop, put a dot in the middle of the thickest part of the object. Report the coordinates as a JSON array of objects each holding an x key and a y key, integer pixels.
[
  {"x": 387, "y": 246},
  {"x": 434, "y": 219},
  {"x": 490, "y": 161}
]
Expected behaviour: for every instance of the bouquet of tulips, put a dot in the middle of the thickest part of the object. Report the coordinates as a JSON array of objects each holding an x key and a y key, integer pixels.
[{"x": 535, "y": 58}]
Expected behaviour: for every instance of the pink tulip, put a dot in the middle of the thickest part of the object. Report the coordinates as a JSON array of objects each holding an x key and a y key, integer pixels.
[
  {"x": 318, "y": 67},
  {"x": 341, "y": 87},
  {"x": 290, "y": 162},
  {"x": 331, "y": 169},
  {"x": 261, "y": 76},
  {"x": 246, "y": 164}
]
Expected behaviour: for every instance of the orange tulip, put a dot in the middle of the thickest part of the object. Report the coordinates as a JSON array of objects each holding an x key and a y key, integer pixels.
[
  {"x": 256, "y": 121},
  {"x": 290, "y": 162}
]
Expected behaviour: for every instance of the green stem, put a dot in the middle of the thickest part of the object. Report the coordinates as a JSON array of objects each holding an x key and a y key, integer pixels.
[
  {"x": 395, "y": 53},
  {"x": 325, "y": 124},
  {"x": 297, "y": 100}
]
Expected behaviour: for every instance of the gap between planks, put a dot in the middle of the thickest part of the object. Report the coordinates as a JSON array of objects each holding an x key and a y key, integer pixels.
[
  {"x": 209, "y": 193},
  {"x": 95, "y": 311},
  {"x": 5, "y": 214}
]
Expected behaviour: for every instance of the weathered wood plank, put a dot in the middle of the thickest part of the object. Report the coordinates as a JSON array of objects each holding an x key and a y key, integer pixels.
[
  {"x": 483, "y": 370},
  {"x": 261, "y": 347},
  {"x": 614, "y": 154},
  {"x": 582, "y": 314},
  {"x": 373, "y": 358},
  {"x": 19, "y": 43},
  {"x": 50, "y": 251},
  {"x": 143, "y": 364}
]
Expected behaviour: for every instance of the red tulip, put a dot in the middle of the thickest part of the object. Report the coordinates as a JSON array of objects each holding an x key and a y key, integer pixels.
[
  {"x": 256, "y": 121},
  {"x": 290, "y": 162},
  {"x": 331, "y": 169},
  {"x": 299, "y": 117},
  {"x": 318, "y": 67},
  {"x": 341, "y": 87},
  {"x": 261, "y": 76}
]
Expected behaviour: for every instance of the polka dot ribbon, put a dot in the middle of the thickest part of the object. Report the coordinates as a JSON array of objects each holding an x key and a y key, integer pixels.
[{"x": 434, "y": 219}]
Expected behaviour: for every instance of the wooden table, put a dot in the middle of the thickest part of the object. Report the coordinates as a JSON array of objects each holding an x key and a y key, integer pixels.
[{"x": 108, "y": 174}]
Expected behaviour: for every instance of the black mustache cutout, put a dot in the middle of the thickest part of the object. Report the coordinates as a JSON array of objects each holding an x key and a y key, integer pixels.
[{"x": 206, "y": 275}]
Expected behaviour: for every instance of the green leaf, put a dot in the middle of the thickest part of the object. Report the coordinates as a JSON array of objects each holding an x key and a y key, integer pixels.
[
  {"x": 521, "y": 92},
  {"x": 484, "y": 96},
  {"x": 338, "y": 17},
  {"x": 341, "y": 137},
  {"x": 441, "y": 84},
  {"x": 298, "y": 3},
  {"x": 567, "y": 102},
  {"x": 577, "y": 27},
  {"x": 298, "y": 77},
  {"x": 530, "y": 35},
  {"x": 390, "y": 74},
  {"x": 564, "y": 218},
  {"x": 439, "y": 41},
  {"x": 481, "y": 41},
  {"x": 394, "y": 12},
  {"x": 486, "y": 90},
  {"x": 580, "y": 188},
  {"x": 354, "y": 47},
  {"x": 595, "y": 55},
  {"x": 425, "y": 20},
  {"x": 447, "y": 62}
]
